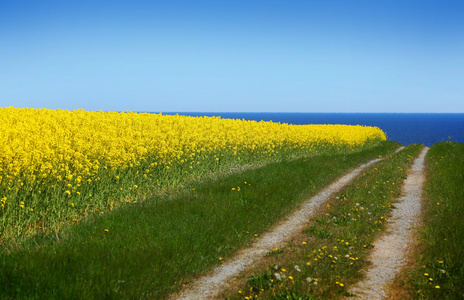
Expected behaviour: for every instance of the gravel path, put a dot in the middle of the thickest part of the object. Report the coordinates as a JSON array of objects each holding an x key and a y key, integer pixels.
[
  {"x": 390, "y": 250},
  {"x": 210, "y": 286}
]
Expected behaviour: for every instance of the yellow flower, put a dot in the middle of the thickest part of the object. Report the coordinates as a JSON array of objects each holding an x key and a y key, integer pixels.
[{"x": 63, "y": 150}]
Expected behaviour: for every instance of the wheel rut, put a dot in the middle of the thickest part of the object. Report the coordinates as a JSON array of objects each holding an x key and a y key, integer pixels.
[
  {"x": 390, "y": 250},
  {"x": 211, "y": 285}
]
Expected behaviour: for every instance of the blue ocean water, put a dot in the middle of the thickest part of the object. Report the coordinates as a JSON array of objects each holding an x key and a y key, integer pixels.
[{"x": 404, "y": 128}]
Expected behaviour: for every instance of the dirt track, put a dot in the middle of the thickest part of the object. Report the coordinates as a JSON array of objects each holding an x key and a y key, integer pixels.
[
  {"x": 390, "y": 250},
  {"x": 210, "y": 286},
  {"x": 387, "y": 258}
]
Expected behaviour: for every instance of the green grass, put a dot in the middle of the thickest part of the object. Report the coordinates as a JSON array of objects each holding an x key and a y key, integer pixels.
[
  {"x": 149, "y": 248},
  {"x": 33, "y": 204},
  {"x": 328, "y": 257},
  {"x": 440, "y": 272}
]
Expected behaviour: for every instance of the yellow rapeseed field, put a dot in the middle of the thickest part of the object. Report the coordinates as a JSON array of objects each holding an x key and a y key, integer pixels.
[{"x": 58, "y": 165}]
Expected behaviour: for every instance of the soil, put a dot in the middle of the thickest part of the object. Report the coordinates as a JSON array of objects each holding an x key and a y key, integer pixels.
[
  {"x": 391, "y": 250},
  {"x": 211, "y": 285},
  {"x": 389, "y": 255}
]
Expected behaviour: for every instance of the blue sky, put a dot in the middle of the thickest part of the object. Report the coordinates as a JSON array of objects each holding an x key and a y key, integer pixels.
[{"x": 233, "y": 55}]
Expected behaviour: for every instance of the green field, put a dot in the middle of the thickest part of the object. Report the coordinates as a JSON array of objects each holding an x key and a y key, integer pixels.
[{"x": 149, "y": 249}]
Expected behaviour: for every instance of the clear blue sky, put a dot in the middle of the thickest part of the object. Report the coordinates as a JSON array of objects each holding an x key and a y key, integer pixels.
[{"x": 233, "y": 55}]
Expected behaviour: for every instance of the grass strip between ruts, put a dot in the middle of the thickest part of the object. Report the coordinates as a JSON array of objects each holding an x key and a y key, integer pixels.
[
  {"x": 150, "y": 248},
  {"x": 326, "y": 259}
]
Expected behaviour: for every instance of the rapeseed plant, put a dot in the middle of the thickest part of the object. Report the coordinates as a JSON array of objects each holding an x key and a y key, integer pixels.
[{"x": 51, "y": 158}]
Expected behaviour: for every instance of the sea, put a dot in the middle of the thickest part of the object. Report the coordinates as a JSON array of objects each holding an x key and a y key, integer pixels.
[{"x": 405, "y": 128}]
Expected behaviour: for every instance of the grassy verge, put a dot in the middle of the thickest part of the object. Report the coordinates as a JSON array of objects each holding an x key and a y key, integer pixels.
[
  {"x": 148, "y": 249},
  {"x": 440, "y": 271},
  {"x": 329, "y": 256}
]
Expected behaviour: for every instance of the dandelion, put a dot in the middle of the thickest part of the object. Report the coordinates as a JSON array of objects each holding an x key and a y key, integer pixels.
[{"x": 437, "y": 286}]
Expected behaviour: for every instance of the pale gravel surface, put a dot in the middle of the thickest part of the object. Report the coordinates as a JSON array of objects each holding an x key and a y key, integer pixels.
[
  {"x": 390, "y": 250},
  {"x": 211, "y": 285}
]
